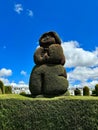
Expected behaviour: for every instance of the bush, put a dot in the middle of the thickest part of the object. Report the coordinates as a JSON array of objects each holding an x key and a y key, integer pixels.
[
  {"x": 77, "y": 92},
  {"x": 8, "y": 89},
  {"x": 96, "y": 89},
  {"x": 22, "y": 93},
  {"x": 86, "y": 91},
  {"x": 2, "y": 88}
]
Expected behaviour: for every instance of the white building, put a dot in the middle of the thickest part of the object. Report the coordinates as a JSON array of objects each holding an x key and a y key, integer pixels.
[{"x": 19, "y": 89}]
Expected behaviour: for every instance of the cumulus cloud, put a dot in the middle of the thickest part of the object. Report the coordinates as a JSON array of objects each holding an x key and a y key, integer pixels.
[
  {"x": 83, "y": 62},
  {"x": 8, "y": 72},
  {"x": 20, "y": 84},
  {"x": 18, "y": 8},
  {"x": 5, "y": 81},
  {"x": 83, "y": 74},
  {"x": 5, "y": 72},
  {"x": 76, "y": 56},
  {"x": 23, "y": 73}
]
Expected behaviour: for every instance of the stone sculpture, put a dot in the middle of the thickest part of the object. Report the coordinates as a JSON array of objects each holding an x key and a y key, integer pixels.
[{"x": 48, "y": 77}]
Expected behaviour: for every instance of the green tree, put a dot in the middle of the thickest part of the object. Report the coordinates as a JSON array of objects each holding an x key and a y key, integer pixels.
[
  {"x": 96, "y": 89},
  {"x": 2, "y": 88},
  {"x": 86, "y": 91}
]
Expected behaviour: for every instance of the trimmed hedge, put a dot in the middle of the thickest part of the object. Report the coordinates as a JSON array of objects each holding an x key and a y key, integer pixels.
[
  {"x": 86, "y": 91},
  {"x": 77, "y": 92},
  {"x": 8, "y": 89},
  {"x": 59, "y": 114},
  {"x": 2, "y": 88},
  {"x": 48, "y": 80},
  {"x": 55, "y": 55},
  {"x": 96, "y": 89}
]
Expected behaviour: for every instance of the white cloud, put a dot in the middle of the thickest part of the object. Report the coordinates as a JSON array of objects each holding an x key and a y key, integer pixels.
[
  {"x": 23, "y": 73},
  {"x": 29, "y": 12},
  {"x": 5, "y": 81},
  {"x": 18, "y": 8},
  {"x": 76, "y": 56},
  {"x": 83, "y": 74},
  {"x": 84, "y": 64},
  {"x": 5, "y": 72},
  {"x": 20, "y": 84}
]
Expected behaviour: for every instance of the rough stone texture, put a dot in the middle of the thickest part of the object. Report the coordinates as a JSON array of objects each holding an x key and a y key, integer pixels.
[{"x": 48, "y": 77}]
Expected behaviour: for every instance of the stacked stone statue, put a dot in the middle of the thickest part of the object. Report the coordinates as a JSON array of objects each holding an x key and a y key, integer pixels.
[{"x": 48, "y": 77}]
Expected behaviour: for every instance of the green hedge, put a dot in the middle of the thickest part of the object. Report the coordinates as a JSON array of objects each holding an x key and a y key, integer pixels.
[
  {"x": 59, "y": 114},
  {"x": 86, "y": 91},
  {"x": 96, "y": 89},
  {"x": 8, "y": 89},
  {"x": 48, "y": 80},
  {"x": 2, "y": 88}
]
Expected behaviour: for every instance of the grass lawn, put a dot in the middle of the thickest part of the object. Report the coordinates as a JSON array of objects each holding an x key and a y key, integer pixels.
[{"x": 20, "y": 97}]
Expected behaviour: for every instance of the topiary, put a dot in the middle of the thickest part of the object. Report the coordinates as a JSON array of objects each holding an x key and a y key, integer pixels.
[
  {"x": 48, "y": 80},
  {"x": 96, "y": 89},
  {"x": 77, "y": 92},
  {"x": 86, "y": 91},
  {"x": 8, "y": 89},
  {"x": 2, "y": 88},
  {"x": 93, "y": 92},
  {"x": 48, "y": 77}
]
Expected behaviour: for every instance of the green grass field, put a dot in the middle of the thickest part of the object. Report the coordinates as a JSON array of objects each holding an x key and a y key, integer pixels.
[{"x": 21, "y": 97}]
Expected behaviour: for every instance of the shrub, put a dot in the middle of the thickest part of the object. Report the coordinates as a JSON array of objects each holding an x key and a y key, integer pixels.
[
  {"x": 77, "y": 92},
  {"x": 96, "y": 89},
  {"x": 22, "y": 93},
  {"x": 93, "y": 92},
  {"x": 8, "y": 89},
  {"x": 2, "y": 88},
  {"x": 86, "y": 91}
]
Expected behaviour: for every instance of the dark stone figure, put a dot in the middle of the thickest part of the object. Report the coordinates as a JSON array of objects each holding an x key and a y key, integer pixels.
[{"x": 48, "y": 77}]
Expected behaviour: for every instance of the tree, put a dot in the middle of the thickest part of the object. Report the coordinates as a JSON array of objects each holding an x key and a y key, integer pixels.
[
  {"x": 2, "y": 88},
  {"x": 86, "y": 91},
  {"x": 96, "y": 89}
]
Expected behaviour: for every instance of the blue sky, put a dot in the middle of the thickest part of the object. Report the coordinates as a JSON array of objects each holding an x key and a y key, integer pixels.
[{"x": 22, "y": 22}]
